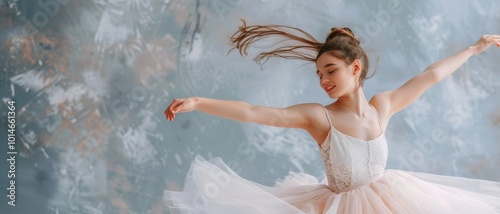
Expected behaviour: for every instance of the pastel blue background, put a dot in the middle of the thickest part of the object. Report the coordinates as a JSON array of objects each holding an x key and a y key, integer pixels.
[{"x": 91, "y": 80}]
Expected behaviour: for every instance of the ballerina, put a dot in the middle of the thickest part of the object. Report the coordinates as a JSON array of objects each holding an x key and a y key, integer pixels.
[{"x": 350, "y": 133}]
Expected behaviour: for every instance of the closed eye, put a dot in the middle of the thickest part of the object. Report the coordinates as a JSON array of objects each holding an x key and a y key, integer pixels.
[{"x": 329, "y": 72}]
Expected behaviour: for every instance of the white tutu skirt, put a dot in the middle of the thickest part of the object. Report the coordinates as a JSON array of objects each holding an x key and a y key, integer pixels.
[{"x": 212, "y": 187}]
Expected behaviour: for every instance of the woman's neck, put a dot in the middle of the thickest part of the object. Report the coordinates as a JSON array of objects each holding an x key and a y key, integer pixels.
[{"x": 354, "y": 102}]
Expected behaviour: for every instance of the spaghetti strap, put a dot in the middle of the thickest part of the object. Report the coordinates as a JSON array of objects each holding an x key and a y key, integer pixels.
[
  {"x": 328, "y": 117},
  {"x": 378, "y": 118}
]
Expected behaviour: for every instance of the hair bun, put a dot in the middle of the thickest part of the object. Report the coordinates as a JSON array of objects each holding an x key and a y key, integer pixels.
[{"x": 344, "y": 31}]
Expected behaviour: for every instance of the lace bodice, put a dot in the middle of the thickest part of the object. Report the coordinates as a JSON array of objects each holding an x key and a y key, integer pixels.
[{"x": 350, "y": 162}]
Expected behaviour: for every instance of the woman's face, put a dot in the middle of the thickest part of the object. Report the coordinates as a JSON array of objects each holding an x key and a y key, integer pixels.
[{"x": 335, "y": 76}]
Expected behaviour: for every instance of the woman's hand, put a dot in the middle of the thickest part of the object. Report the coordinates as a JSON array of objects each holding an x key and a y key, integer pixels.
[
  {"x": 180, "y": 106},
  {"x": 485, "y": 42}
]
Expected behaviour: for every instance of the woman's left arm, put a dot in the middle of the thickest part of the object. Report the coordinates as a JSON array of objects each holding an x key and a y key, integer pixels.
[
  {"x": 445, "y": 67},
  {"x": 399, "y": 98}
]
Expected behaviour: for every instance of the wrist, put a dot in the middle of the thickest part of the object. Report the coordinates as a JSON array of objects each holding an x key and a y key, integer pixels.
[
  {"x": 473, "y": 50},
  {"x": 197, "y": 101}
]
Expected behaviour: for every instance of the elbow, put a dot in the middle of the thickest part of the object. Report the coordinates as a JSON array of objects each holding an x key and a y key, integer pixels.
[
  {"x": 434, "y": 75},
  {"x": 248, "y": 113}
]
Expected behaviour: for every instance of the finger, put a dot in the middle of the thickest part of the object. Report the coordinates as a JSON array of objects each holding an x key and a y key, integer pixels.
[
  {"x": 489, "y": 41},
  {"x": 168, "y": 109},
  {"x": 170, "y": 114},
  {"x": 174, "y": 103},
  {"x": 495, "y": 41},
  {"x": 167, "y": 114},
  {"x": 176, "y": 107},
  {"x": 494, "y": 38}
]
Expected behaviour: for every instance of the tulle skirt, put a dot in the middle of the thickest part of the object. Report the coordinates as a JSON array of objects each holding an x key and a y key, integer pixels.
[{"x": 212, "y": 187}]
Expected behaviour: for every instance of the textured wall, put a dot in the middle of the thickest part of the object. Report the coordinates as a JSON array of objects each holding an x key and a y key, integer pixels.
[{"x": 91, "y": 80}]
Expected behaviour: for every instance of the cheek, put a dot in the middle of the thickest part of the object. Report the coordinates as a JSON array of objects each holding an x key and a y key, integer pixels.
[
  {"x": 338, "y": 78},
  {"x": 345, "y": 77}
]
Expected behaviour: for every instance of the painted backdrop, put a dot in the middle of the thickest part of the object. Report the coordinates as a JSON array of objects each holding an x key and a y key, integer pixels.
[{"x": 91, "y": 79}]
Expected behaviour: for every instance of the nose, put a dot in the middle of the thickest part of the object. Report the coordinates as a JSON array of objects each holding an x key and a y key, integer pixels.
[{"x": 324, "y": 80}]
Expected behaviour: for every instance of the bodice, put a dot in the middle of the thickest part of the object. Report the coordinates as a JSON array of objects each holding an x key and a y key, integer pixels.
[{"x": 350, "y": 162}]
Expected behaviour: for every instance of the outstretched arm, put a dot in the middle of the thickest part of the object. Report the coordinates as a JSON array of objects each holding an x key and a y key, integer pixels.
[
  {"x": 400, "y": 98},
  {"x": 449, "y": 65},
  {"x": 296, "y": 116}
]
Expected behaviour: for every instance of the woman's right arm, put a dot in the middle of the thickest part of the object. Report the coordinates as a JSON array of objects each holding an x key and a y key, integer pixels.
[
  {"x": 296, "y": 116},
  {"x": 230, "y": 109}
]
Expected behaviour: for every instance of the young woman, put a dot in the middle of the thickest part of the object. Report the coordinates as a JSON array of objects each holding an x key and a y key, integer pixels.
[{"x": 350, "y": 133}]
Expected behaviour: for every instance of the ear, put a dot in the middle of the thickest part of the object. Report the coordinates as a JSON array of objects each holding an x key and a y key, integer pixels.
[{"x": 356, "y": 67}]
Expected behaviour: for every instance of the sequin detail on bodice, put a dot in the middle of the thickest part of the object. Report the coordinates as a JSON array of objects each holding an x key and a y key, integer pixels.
[{"x": 350, "y": 162}]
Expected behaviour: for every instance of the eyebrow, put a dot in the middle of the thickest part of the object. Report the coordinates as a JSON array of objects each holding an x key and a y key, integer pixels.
[{"x": 327, "y": 65}]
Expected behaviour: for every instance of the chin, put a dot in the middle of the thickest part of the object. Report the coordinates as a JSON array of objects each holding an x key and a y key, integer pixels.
[{"x": 333, "y": 96}]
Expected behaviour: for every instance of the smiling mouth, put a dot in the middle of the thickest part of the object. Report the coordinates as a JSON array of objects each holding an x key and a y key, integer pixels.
[{"x": 329, "y": 89}]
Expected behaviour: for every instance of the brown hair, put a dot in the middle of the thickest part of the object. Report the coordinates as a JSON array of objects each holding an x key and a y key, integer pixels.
[{"x": 340, "y": 42}]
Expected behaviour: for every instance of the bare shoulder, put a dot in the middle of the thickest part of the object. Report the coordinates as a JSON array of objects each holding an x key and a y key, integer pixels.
[
  {"x": 312, "y": 110},
  {"x": 381, "y": 102},
  {"x": 318, "y": 117},
  {"x": 319, "y": 125}
]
